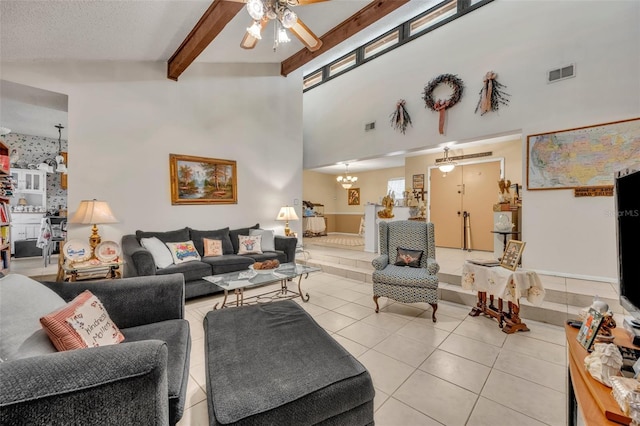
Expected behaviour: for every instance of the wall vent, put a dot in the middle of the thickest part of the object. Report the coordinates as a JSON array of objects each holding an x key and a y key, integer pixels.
[
  {"x": 562, "y": 73},
  {"x": 370, "y": 126}
]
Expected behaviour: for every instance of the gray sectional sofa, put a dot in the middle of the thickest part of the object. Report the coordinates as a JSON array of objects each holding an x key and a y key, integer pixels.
[
  {"x": 142, "y": 380},
  {"x": 139, "y": 261}
]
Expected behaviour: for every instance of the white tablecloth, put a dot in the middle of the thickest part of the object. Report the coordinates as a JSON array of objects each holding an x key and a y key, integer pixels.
[
  {"x": 503, "y": 283},
  {"x": 314, "y": 224}
]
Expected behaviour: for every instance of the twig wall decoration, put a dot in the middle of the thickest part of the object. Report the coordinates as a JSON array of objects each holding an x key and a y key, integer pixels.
[
  {"x": 400, "y": 117},
  {"x": 491, "y": 94}
]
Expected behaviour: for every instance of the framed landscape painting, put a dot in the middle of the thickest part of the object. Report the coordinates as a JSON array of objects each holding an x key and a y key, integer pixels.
[{"x": 201, "y": 180}]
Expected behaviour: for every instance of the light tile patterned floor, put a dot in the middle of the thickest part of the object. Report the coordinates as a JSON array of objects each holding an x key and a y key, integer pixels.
[{"x": 460, "y": 371}]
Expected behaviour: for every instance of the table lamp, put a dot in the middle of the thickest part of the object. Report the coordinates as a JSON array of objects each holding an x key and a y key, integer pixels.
[
  {"x": 287, "y": 213},
  {"x": 93, "y": 212}
]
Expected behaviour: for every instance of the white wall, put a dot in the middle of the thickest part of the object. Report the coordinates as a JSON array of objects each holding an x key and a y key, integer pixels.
[
  {"x": 126, "y": 118},
  {"x": 521, "y": 41}
]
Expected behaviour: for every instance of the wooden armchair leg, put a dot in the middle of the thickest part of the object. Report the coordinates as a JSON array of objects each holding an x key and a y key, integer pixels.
[
  {"x": 435, "y": 308},
  {"x": 375, "y": 299}
]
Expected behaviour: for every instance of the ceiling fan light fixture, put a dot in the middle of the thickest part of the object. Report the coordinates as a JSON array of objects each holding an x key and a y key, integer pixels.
[
  {"x": 255, "y": 9},
  {"x": 288, "y": 18},
  {"x": 254, "y": 30},
  {"x": 283, "y": 37}
]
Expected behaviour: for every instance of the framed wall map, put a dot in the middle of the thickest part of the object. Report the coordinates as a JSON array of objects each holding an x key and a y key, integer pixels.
[{"x": 584, "y": 156}]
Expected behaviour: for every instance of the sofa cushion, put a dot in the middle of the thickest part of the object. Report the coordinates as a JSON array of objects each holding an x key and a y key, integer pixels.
[
  {"x": 22, "y": 302},
  {"x": 233, "y": 234},
  {"x": 408, "y": 257},
  {"x": 81, "y": 323},
  {"x": 183, "y": 252},
  {"x": 248, "y": 244},
  {"x": 217, "y": 234},
  {"x": 268, "y": 255},
  {"x": 166, "y": 237},
  {"x": 159, "y": 251},
  {"x": 228, "y": 263},
  {"x": 268, "y": 236},
  {"x": 176, "y": 334},
  {"x": 190, "y": 270}
]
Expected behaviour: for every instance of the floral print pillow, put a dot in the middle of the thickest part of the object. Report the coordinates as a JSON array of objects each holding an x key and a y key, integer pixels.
[
  {"x": 249, "y": 244},
  {"x": 408, "y": 257}
]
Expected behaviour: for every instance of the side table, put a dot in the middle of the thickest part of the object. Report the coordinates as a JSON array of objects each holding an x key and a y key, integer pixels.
[
  {"x": 506, "y": 285},
  {"x": 90, "y": 270}
]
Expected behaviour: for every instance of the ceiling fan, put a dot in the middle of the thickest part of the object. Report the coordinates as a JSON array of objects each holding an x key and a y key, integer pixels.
[{"x": 263, "y": 11}]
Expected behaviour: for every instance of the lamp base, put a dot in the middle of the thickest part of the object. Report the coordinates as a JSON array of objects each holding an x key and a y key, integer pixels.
[{"x": 94, "y": 240}]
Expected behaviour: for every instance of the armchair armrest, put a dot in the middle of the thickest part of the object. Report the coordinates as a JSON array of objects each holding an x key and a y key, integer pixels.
[
  {"x": 117, "y": 384},
  {"x": 380, "y": 262},
  {"x": 432, "y": 266},
  {"x": 138, "y": 261},
  {"x": 132, "y": 301},
  {"x": 287, "y": 245}
]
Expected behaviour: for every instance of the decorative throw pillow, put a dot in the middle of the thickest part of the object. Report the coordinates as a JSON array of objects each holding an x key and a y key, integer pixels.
[
  {"x": 159, "y": 251},
  {"x": 212, "y": 247},
  {"x": 249, "y": 244},
  {"x": 183, "y": 252},
  {"x": 268, "y": 239},
  {"x": 408, "y": 257},
  {"x": 81, "y": 323}
]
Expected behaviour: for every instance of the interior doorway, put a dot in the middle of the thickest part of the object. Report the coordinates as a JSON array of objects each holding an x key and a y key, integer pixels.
[{"x": 461, "y": 204}]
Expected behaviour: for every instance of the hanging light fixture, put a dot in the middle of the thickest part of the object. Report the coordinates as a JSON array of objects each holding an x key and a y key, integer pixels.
[
  {"x": 60, "y": 166},
  {"x": 446, "y": 165},
  {"x": 265, "y": 10},
  {"x": 347, "y": 181}
]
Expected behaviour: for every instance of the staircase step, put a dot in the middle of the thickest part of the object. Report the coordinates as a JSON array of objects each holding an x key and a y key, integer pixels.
[{"x": 563, "y": 299}]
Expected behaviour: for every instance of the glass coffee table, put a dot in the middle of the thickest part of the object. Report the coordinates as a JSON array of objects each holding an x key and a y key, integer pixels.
[{"x": 241, "y": 280}]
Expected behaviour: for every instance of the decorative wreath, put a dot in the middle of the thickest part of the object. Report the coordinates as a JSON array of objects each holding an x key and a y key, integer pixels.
[{"x": 452, "y": 80}]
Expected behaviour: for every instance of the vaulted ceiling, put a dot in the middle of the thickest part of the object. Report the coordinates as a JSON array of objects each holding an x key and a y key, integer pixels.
[{"x": 152, "y": 30}]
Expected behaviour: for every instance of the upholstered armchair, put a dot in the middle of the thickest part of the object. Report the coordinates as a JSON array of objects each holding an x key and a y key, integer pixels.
[{"x": 417, "y": 282}]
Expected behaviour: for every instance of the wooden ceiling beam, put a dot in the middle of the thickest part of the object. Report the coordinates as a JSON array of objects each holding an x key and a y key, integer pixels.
[
  {"x": 351, "y": 26},
  {"x": 208, "y": 27}
]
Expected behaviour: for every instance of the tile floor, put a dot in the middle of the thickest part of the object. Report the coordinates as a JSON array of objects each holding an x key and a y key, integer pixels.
[{"x": 459, "y": 371}]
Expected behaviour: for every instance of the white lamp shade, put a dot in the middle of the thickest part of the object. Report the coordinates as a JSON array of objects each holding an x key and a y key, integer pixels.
[
  {"x": 93, "y": 212},
  {"x": 446, "y": 168},
  {"x": 287, "y": 213}
]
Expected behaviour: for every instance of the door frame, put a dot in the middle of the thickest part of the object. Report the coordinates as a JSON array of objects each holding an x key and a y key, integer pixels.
[{"x": 461, "y": 163}]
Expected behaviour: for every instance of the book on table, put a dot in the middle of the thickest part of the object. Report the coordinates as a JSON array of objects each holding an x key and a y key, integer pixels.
[{"x": 484, "y": 262}]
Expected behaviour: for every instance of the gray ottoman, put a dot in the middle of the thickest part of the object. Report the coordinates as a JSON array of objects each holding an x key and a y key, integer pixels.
[{"x": 272, "y": 364}]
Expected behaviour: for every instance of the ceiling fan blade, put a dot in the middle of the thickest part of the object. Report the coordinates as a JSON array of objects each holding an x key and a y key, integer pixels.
[
  {"x": 306, "y": 36},
  {"x": 249, "y": 41},
  {"x": 303, "y": 2}
]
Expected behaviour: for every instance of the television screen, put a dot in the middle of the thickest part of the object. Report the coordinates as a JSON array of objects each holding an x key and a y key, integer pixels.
[{"x": 627, "y": 197}]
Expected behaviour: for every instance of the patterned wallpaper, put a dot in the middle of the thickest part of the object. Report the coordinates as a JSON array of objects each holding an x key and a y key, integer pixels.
[{"x": 34, "y": 150}]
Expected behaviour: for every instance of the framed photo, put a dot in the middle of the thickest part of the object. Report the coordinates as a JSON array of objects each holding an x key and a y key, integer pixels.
[
  {"x": 201, "y": 180},
  {"x": 418, "y": 181},
  {"x": 512, "y": 254},
  {"x": 353, "y": 196},
  {"x": 589, "y": 329},
  {"x": 581, "y": 157}
]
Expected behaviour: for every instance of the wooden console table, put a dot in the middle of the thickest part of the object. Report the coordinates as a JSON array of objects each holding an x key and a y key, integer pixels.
[
  {"x": 594, "y": 399},
  {"x": 505, "y": 285}
]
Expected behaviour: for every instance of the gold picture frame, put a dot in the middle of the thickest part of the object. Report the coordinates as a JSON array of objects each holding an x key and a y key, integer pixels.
[
  {"x": 353, "y": 196},
  {"x": 512, "y": 254},
  {"x": 202, "y": 180},
  {"x": 418, "y": 181}
]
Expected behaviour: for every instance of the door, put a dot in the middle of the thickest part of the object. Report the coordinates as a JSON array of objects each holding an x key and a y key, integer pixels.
[
  {"x": 445, "y": 208},
  {"x": 480, "y": 194},
  {"x": 469, "y": 190}
]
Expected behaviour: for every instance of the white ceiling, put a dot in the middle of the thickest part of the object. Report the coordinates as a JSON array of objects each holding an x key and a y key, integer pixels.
[{"x": 151, "y": 30}]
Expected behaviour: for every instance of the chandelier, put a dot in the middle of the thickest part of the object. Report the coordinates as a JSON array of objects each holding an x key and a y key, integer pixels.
[
  {"x": 262, "y": 11},
  {"x": 347, "y": 181},
  {"x": 446, "y": 164}
]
